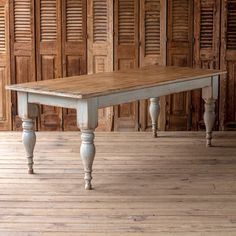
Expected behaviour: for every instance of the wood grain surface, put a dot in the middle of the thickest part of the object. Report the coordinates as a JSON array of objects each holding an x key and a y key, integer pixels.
[
  {"x": 86, "y": 86},
  {"x": 170, "y": 186}
]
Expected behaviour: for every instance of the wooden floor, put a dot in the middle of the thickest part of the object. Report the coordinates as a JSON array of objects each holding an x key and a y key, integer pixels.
[{"x": 172, "y": 185}]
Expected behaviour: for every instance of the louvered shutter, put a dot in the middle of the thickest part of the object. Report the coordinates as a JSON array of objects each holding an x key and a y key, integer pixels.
[
  {"x": 179, "y": 47},
  {"x": 22, "y": 48},
  {"x": 73, "y": 48},
  {"x": 206, "y": 49},
  {"x": 5, "y": 118},
  {"x": 48, "y": 39},
  {"x": 228, "y": 62},
  {"x": 126, "y": 57},
  {"x": 152, "y": 49},
  {"x": 100, "y": 47}
]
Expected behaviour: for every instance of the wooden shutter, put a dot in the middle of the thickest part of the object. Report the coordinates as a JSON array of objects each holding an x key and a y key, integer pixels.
[
  {"x": 48, "y": 25},
  {"x": 100, "y": 48},
  {"x": 73, "y": 48},
  {"x": 126, "y": 57},
  {"x": 22, "y": 48},
  {"x": 5, "y": 102},
  {"x": 152, "y": 49},
  {"x": 206, "y": 49},
  {"x": 179, "y": 47},
  {"x": 228, "y": 61}
]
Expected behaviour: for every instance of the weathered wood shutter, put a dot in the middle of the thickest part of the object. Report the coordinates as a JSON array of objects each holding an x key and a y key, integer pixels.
[
  {"x": 152, "y": 48},
  {"x": 206, "y": 48},
  {"x": 100, "y": 48},
  {"x": 73, "y": 48},
  {"x": 22, "y": 48},
  {"x": 126, "y": 57},
  {"x": 228, "y": 61},
  {"x": 179, "y": 46},
  {"x": 5, "y": 118},
  {"x": 48, "y": 39}
]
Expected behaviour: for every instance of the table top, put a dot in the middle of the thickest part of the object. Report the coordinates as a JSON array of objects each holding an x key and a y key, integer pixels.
[{"x": 87, "y": 86}]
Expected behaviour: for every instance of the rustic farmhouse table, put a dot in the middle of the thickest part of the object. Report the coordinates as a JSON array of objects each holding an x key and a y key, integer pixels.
[{"x": 88, "y": 93}]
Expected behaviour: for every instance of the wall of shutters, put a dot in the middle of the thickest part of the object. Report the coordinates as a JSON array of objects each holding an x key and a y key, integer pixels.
[
  {"x": 228, "y": 61},
  {"x": 5, "y": 115},
  {"x": 100, "y": 48},
  {"x": 179, "y": 48},
  {"x": 59, "y": 38},
  {"x": 126, "y": 47}
]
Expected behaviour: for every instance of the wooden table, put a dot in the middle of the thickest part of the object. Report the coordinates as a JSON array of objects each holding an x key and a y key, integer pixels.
[{"x": 88, "y": 93}]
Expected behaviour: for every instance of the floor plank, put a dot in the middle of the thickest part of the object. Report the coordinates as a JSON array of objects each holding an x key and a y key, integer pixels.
[{"x": 170, "y": 186}]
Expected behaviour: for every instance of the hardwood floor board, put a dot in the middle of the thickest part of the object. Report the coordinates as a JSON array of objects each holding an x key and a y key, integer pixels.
[{"x": 169, "y": 186}]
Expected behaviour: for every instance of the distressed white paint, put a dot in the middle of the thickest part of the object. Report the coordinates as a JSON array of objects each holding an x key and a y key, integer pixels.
[
  {"x": 87, "y": 120},
  {"x": 29, "y": 140},
  {"x": 210, "y": 94},
  {"x": 155, "y": 91},
  {"x": 154, "y": 110}
]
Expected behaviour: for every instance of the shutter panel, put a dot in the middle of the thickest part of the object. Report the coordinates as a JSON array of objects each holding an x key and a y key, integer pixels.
[
  {"x": 2, "y": 29},
  {"x": 22, "y": 48},
  {"x": 179, "y": 47},
  {"x": 228, "y": 62},
  {"x": 231, "y": 24},
  {"x": 206, "y": 49},
  {"x": 126, "y": 57},
  {"x": 73, "y": 48},
  {"x": 152, "y": 49},
  {"x": 5, "y": 117},
  {"x": 48, "y": 41},
  {"x": 100, "y": 48}
]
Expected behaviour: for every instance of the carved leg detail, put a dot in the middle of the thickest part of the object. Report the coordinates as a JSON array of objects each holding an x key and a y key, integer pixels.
[
  {"x": 154, "y": 110},
  {"x": 29, "y": 140},
  {"x": 209, "y": 119},
  {"x": 87, "y": 153}
]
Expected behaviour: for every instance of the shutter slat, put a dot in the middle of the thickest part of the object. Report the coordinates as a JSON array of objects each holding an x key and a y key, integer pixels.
[
  {"x": 74, "y": 20},
  {"x": 231, "y": 25},
  {"x": 152, "y": 27},
  {"x": 100, "y": 23},
  {"x": 126, "y": 22},
  {"x": 48, "y": 20},
  {"x": 180, "y": 20},
  {"x": 22, "y": 20},
  {"x": 206, "y": 26},
  {"x": 2, "y": 30}
]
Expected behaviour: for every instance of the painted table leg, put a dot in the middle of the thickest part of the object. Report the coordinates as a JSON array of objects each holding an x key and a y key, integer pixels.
[
  {"x": 29, "y": 140},
  {"x": 27, "y": 112},
  {"x": 209, "y": 119},
  {"x": 154, "y": 111},
  {"x": 87, "y": 120},
  {"x": 87, "y": 153},
  {"x": 210, "y": 95}
]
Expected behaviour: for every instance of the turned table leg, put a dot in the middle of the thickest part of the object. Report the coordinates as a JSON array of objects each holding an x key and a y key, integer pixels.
[
  {"x": 27, "y": 112},
  {"x": 87, "y": 153},
  {"x": 87, "y": 121},
  {"x": 29, "y": 140},
  {"x": 209, "y": 119},
  {"x": 154, "y": 110},
  {"x": 209, "y": 95}
]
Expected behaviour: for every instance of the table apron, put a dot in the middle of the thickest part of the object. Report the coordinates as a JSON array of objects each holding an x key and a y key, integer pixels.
[
  {"x": 52, "y": 100},
  {"x": 151, "y": 92},
  {"x": 122, "y": 97}
]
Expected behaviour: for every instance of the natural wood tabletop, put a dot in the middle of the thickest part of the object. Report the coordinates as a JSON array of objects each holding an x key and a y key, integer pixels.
[{"x": 85, "y": 86}]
